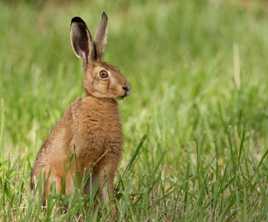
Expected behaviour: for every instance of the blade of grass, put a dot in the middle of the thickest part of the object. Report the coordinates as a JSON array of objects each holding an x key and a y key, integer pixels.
[{"x": 134, "y": 155}]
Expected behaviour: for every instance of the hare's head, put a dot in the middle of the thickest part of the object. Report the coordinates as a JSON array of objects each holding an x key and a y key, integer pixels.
[{"x": 101, "y": 79}]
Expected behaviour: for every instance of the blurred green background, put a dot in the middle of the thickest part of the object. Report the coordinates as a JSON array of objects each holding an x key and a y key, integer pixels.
[{"x": 195, "y": 125}]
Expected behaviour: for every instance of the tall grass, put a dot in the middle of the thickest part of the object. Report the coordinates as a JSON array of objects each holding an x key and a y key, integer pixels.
[{"x": 195, "y": 125}]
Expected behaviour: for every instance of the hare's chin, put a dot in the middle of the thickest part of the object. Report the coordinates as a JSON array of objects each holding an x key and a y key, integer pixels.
[{"x": 124, "y": 96}]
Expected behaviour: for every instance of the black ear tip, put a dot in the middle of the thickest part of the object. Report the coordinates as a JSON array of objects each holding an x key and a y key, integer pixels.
[
  {"x": 104, "y": 15},
  {"x": 77, "y": 19}
]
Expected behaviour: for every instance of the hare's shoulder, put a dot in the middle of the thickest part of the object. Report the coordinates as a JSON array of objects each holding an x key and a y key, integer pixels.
[
  {"x": 63, "y": 129},
  {"x": 60, "y": 135},
  {"x": 73, "y": 109}
]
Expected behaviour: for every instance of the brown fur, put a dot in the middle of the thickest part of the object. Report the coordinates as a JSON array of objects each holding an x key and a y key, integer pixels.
[{"x": 88, "y": 137}]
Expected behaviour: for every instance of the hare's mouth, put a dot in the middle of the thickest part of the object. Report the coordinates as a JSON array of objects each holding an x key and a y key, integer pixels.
[
  {"x": 122, "y": 97},
  {"x": 127, "y": 93}
]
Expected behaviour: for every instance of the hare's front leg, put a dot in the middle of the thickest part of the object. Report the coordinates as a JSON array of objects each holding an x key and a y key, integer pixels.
[
  {"x": 69, "y": 184},
  {"x": 105, "y": 182},
  {"x": 105, "y": 178},
  {"x": 47, "y": 186},
  {"x": 105, "y": 173},
  {"x": 58, "y": 181}
]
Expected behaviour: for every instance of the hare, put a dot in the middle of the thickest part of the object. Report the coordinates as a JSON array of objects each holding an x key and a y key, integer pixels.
[{"x": 88, "y": 137}]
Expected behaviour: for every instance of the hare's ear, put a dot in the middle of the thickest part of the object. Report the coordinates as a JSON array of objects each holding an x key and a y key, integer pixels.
[
  {"x": 81, "y": 39},
  {"x": 101, "y": 35}
]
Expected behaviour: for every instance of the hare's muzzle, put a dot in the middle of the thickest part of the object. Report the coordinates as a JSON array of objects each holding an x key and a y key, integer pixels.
[{"x": 126, "y": 89}]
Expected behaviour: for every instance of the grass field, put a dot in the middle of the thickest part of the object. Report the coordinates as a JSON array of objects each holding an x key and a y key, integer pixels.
[{"x": 195, "y": 126}]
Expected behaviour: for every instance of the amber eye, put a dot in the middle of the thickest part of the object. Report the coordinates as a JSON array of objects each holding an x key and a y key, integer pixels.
[{"x": 103, "y": 74}]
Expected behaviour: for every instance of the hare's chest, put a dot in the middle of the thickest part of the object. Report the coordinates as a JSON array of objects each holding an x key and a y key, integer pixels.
[{"x": 97, "y": 133}]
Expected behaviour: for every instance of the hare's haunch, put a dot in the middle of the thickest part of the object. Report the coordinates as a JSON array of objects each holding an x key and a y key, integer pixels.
[{"x": 88, "y": 137}]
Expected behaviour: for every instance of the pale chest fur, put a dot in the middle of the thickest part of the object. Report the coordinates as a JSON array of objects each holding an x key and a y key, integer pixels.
[{"x": 97, "y": 127}]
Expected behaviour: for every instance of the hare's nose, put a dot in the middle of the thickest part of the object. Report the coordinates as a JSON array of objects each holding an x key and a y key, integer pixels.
[{"x": 126, "y": 88}]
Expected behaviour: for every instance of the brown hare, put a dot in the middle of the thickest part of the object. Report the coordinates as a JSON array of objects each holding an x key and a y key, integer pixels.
[{"x": 88, "y": 137}]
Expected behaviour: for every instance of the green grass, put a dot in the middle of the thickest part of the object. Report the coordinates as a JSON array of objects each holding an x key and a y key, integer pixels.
[{"x": 196, "y": 141}]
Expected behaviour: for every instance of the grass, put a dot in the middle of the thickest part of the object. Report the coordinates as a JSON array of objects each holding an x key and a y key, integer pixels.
[{"x": 195, "y": 126}]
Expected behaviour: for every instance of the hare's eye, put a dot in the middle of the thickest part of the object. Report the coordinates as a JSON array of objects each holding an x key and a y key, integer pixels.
[{"x": 103, "y": 74}]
